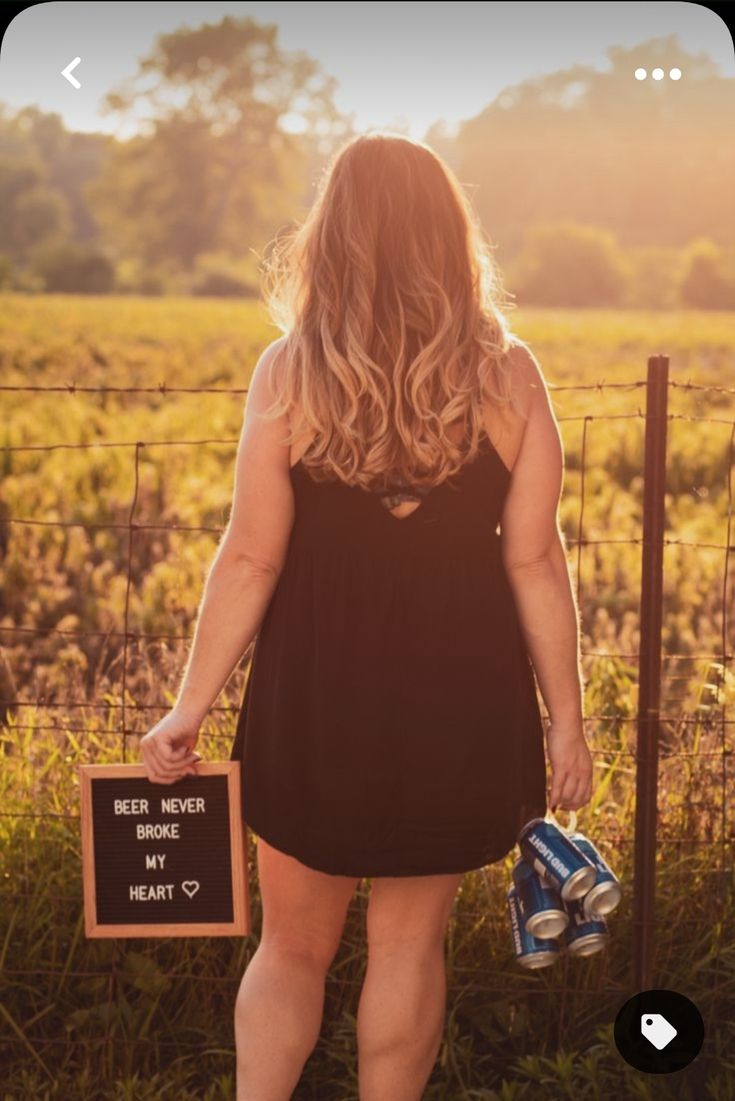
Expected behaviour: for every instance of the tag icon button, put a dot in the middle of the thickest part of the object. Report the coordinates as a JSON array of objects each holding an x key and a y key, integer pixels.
[{"x": 657, "y": 1030}]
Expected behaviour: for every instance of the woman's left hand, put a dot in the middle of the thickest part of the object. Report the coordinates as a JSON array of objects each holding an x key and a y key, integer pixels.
[
  {"x": 570, "y": 784},
  {"x": 168, "y": 748}
]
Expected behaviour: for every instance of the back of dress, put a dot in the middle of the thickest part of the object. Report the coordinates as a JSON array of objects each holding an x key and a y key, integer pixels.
[{"x": 390, "y": 723}]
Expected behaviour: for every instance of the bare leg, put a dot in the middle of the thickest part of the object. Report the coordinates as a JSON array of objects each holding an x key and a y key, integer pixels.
[
  {"x": 278, "y": 1016},
  {"x": 280, "y": 1002},
  {"x": 400, "y": 1025},
  {"x": 400, "y": 1020}
]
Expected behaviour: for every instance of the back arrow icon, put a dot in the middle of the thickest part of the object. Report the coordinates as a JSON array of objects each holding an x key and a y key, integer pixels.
[{"x": 68, "y": 71}]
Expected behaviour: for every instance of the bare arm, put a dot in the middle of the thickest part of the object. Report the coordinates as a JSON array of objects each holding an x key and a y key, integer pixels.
[
  {"x": 250, "y": 557},
  {"x": 533, "y": 552}
]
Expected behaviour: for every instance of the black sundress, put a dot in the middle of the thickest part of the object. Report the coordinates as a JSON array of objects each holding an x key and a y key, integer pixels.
[{"x": 390, "y": 724}]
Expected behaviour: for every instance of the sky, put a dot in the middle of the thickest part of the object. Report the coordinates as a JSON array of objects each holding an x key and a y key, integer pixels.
[{"x": 396, "y": 64}]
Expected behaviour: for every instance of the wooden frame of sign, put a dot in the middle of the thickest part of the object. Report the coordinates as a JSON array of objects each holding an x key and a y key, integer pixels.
[{"x": 136, "y": 834}]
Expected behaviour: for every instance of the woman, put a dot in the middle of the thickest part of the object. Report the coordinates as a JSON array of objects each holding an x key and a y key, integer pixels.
[{"x": 390, "y": 726}]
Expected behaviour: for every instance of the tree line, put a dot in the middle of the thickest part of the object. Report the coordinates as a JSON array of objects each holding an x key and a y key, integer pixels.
[{"x": 595, "y": 189}]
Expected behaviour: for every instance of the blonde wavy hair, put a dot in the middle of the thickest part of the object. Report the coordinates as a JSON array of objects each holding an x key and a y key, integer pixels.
[{"x": 391, "y": 305}]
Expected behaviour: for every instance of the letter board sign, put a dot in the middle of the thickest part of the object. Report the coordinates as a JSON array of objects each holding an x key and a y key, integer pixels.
[{"x": 163, "y": 860}]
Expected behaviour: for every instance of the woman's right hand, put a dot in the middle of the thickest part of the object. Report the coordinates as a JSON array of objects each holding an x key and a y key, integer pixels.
[
  {"x": 570, "y": 785},
  {"x": 168, "y": 748}
]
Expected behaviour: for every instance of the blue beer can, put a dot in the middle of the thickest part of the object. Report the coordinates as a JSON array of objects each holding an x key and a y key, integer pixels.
[
  {"x": 584, "y": 935},
  {"x": 543, "y": 912},
  {"x": 530, "y": 952},
  {"x": 551, "y": 853},
  {"x": 606, "y": 893}
]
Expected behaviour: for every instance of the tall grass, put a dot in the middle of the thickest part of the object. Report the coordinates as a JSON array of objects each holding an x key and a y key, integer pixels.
[{"x": 144, "y": 1018}]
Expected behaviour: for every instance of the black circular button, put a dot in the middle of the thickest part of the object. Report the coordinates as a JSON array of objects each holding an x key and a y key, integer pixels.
[{"x": 659, "y": 1031}]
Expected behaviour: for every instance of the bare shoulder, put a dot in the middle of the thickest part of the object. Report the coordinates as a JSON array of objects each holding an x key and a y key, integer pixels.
[
  {"x": 506, "y": 425},
  {"x": 273, "y": 350},
  {"x": 261, "y": 386},
  {"x": 529, "y": 521},
  {"x": 528, "y": 378},
  {"x": 271, "y": 358}
]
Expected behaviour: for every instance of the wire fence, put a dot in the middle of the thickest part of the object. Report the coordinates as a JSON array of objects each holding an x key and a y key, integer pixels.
[{"x": 662, "y": 735}]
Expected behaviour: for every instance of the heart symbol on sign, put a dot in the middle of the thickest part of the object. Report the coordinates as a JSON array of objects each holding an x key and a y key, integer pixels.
[{"x": 190, "y": 886}]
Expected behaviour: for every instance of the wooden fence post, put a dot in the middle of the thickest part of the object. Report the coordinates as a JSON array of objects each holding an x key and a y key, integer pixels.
[{"x": 649, "y": 672}]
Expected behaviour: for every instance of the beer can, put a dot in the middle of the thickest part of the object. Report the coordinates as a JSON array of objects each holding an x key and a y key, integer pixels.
[
  {"x": 530, "y": 952},
  {"x": 552, "y": 854},
  {"x": 541, "y": 905},
  {"x": 584, "y": 935},
  {"x": 606, "y": 893}
]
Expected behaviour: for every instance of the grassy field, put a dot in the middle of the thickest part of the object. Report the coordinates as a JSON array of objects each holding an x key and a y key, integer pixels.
[{"x": 143, "y": 1019}]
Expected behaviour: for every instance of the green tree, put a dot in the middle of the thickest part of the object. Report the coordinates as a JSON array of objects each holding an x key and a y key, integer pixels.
[
  {"x": 31, "y": 211},
  {"x": 566, "y": 264},
  {"x": 218, "y": 164},
  {"x": 645, "y": 159},
  {"x": 704, "y": 284},
  {"x": 70, "y": 268},
  {"x": 43, "y": 172}
]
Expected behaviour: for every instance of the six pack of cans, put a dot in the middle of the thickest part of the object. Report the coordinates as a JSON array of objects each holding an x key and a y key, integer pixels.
[{"x": 561, "y": 893}]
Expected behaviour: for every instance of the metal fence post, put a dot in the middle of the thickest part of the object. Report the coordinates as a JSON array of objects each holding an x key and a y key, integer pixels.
[{"x": 649, "y": 671}]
